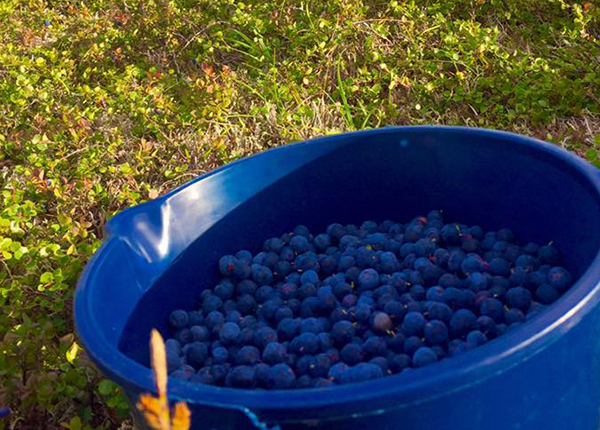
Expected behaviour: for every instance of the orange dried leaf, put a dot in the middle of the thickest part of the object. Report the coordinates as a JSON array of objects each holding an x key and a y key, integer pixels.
[
  {"x": 181, "y": 417},
  {"x": 159, "y": 363},
  {"x": 154, "y": 412}
]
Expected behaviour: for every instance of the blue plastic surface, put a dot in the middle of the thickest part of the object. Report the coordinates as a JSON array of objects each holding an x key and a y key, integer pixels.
[{"x": 544, "y": 375}]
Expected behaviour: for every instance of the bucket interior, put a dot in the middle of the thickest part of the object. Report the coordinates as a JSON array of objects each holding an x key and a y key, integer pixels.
[{"x": 487, "y": 181}]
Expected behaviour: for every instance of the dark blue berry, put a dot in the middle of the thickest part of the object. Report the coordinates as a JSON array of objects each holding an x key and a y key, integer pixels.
[
  {"x": 436, "y": 332},
  {"x": 424, "y": 356},
  {"x": 413, "y": 324},
  {"x": 462, "y": 322},
  {"x": 241, "y": 377},
  {"x": 178, "y": 319},
  {"x": 546, "y": 294}
]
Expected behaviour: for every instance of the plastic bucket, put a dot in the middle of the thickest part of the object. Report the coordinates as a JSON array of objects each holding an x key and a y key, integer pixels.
[{"x": 158, "y": 256}]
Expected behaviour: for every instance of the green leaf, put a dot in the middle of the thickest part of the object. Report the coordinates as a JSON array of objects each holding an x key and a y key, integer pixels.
[
  {"x": 105, "y": 387},
  {"x": 75, "y": 424},
  {"x": 5, "y": 244},
  {"x": 597, "y": 139},
  {"x": 46, "y": 278},
  {"x": 72, "y": 353}
]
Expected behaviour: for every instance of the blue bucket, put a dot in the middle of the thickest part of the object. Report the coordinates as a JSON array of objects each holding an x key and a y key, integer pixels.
[{"x": 159, "y": 255}]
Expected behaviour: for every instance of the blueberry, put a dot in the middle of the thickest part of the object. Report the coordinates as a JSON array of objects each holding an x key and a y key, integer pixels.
[
  {"x": 299, "y": 244},
  {"x": 399, "y": 362},
  {"x": 531, "y": 249},
  {"x": 173, "y": 346},
  {"x": 220, "y": 355},
  {"x": 183, "y": 336},
  {"x": 349, "y": 300},
  {"x": 229, "y": 333},
  {"x": 281, "y": 376},
  {"x": 211, "y": 303},
  {"x": 487, "y": 326},
  {"x": 362, "y": 312},
  {"x": 262, "y": 274},
  {"x": 306, "y": 261},
  {"x": 499, "y": 266},
  {"x": 225, "y": 289},
  {"x": 336, "y": 231},
  {"x": 338, "y": 373},
  {"x": 178, "y": 319},
  {"x": 247, "y": 355},
  {"x": 382, "y": 363},
  {"x": 366, "y": 372},
  {"x": 453, "y": 297},
  {"x": 321, "y": 367},
  {"x": 411, "y": 344},
  {"x": 214, "y": 320},
  {"x": 394, "y": 309},
  {"x": 273, "y": 353},
  {"x": 469, "y": 244},
  {"x": 513, "y": 315},
  {"x": 195, "y": 318},
  {"x": 394, "y": 343},
  {"x": 287, "y": 291},
  {"x": 473, "y": 263},
  {"x": 559, "y": 278},
  {"x": 351, "y": 354},
  {"x": 424, "y": 356},
  {"x": 436, "y": 332},
  {"x": 174, "y": 360},
  {"x": 247, "y": 321},
  {"x": 455, "y": 260},
  {"x": 305, "y": 343},
  {"x": 246, "y": 286},
  {"x": 439, "y": 311},
  {"x": 196, "y": 354},
  {"x": 287, "y": 254},
  {"x": 241, "y": 377},
  {"x": 462, "y": 322},
  {"x": 441, "y": 257},
  {"x": 218, "y": 372},
  {"x": 375, "y": 346},
  {"x": 492, "y": 308},
  {"x": 389, "y": 262},
  {"x": 282, "y": 313},
  {"x": 233, "y": 316},
  {"x": 342, "y": 332},
  {"x": 417, "y": 292},
  {"x": 242, "y": 269},
  {"x": 407, "y": 249},
  {"x": 435, "y": 294},
  {"x": 261, "y": 374},
  {"x": 413, "y": 324},
  {"x": 476, "y": 338},
  {"x": 546, "y": 294},
  {"x": 549, "y": 254},
  {"x": 271, "y": 245},
  {"x": 199, "y": 333},
  {"x": 369, "y": 226},
  {"x": 519, "y": 298},
  {"x": 245, "y": 256},
  {"x": 227, "y": 265},
  {"x": 325, "y": 342},
  {"x": 264, "y": 335},
  {"x": 185, "y": 372},
  {"x": 381, "y": 323},
  {"x": 246, "y": 336}
]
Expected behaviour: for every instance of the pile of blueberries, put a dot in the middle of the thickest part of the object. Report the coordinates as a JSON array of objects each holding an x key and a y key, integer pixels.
[{"x": 359, "y": 303}]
